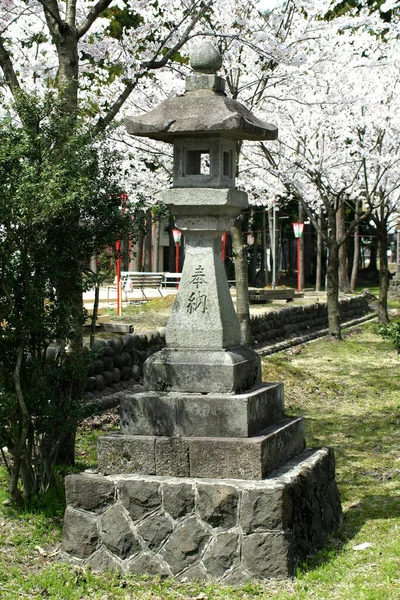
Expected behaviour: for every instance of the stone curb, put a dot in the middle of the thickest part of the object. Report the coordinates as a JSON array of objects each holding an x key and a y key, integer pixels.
[{"x": 268, "y": 349}]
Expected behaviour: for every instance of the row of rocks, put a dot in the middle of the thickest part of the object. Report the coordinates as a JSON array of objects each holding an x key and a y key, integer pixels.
[
  {"x": 291, "y": 322},
  {"x": 219, "y": 530},
  {"x": 121, "y": 359}
]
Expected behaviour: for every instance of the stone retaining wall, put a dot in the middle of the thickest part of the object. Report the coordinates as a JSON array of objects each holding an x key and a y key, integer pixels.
[
  {"x": 121, "y": 358},
  {"x": 295, "y": 321}
]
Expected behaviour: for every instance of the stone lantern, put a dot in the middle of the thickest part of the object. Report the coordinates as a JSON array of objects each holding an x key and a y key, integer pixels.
[
  {"x": 203, "y": 351},
  {"x": 207, "y": 479}
]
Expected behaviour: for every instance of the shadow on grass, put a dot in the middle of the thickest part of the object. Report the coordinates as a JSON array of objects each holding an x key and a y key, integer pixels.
[
  {"x": 367, "y": 478},
  {"x": 374, "y": 507}
]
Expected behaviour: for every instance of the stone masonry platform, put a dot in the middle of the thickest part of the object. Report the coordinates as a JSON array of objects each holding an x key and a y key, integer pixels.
[
  {"x": 244, "y": 458},
  {"x": 229, "y": 531}
]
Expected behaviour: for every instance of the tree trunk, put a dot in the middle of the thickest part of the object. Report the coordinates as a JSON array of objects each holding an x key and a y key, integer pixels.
[
  {"x": 274, "y": 244},
  {"x": 171, "y": 247},
  {"x": 263, "y": 275},
  {"x": 356, "y": 259},
  {"x": 254, "y": 259},
  {"x": 70, "y": 285},
  {"x": 333, "y": 291},
  {"x": 373, "y": 255},
  {"x": 318, "y": 275},
  {"x": 302, "y": 270},
  {"x": 137, "y": 255},
  {"x": 242, "y": 290},
  {"x": 156, "y": 245},
  {"x": 148, "y": 242},
  {"x": 344, "y": 284},
  {"x": 383, "y": 316}
]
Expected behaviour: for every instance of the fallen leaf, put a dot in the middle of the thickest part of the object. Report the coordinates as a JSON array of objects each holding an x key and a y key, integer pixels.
[{"x": 41, "y": 551}]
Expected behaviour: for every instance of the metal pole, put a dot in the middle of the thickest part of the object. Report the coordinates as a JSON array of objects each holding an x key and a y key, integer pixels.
[
  {"x": 177, "y": 262},
  {"x": 298, "y": 265},
  {"x": 273, "y": 284},
  {"x": 118, "y": 269},
  {"x": 223, "y": 247},
  {"x": 398, "y": 253}
]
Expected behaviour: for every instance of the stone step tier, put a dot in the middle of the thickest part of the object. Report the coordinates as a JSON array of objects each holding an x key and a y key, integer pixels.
[
  {"x": 218, "y": 458},
  {"x": 180, "y": 414},
  {"x": 240, "y": 436}
]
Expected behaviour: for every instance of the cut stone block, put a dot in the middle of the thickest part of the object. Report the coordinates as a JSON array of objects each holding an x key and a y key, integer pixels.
[
  {"x": 218, "y": 505},
  {"x": 212, "y": 415},
  {"x": 92, "y": 493},
  {"x": 103, "y": 560},
  {"x": 251, "y": 458},
  {"x": 117, "y": 532},
  {"x": 269, "y": 554},
  {"x": 125, "y": 454},
  {"x": 238, "y": 458},
  {"x": 80, "y": 533},
  {"x": 178, "y": 499},
  {"x": 140, "y": 498},
  {"x": 185, "y": 546},
  {"x": 233, "y": 370}
]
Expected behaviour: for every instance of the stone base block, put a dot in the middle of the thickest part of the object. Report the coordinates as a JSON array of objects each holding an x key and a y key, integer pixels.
[
  {"x": 238, "y": 458},
  {"x": 179, "y": 414},
  {"x": 227, "y": 531},
  {"x": 233, "y": 370}
]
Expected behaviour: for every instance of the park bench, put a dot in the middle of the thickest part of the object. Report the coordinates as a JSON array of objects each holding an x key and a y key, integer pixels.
[{"x": 137, "y": 280}]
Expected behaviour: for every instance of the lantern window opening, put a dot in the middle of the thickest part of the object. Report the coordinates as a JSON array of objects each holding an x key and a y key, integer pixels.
[
  {"x": 227, "y": 163},
  {"x": 197, "y": 162}
]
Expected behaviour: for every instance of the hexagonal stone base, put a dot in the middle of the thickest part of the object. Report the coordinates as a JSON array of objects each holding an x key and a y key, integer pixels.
[
  {"x": 229, "y": 531},
  {"x": 218, "y": 457},
  {"x": 230, "y": 370}
]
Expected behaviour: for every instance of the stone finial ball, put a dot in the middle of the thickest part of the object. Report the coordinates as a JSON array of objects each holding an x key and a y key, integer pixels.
[{"x": 205, "y": 59}]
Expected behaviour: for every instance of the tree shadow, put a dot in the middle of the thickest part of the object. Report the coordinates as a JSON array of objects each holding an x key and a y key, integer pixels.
[{"x": 373, "y": 507}]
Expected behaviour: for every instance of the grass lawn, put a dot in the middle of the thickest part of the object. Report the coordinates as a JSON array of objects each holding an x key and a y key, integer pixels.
[{"x": 349, "y": 393}]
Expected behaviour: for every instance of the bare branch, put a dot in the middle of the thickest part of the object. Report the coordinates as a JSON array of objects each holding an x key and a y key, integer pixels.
[
  {"x": 53, "y": 17},
  {"x": 92, "y": 16},
  {"x": 157, "y": 64},
  {"x": 103, "y": 122}
]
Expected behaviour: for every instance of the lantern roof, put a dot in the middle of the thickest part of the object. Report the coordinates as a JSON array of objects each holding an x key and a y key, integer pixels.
[{"x": 203, "y": 110}]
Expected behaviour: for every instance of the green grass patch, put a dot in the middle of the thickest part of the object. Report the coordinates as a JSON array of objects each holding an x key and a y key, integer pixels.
[
  {"x": 349, "y": 393},
  {"x": 144, "y": 315}
]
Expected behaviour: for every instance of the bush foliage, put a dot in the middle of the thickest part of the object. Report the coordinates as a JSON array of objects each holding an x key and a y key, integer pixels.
[{"x": 60, "y": 206}]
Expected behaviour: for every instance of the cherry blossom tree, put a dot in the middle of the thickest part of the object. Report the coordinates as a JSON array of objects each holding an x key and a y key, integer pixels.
[{"x": 332, "y": 98}]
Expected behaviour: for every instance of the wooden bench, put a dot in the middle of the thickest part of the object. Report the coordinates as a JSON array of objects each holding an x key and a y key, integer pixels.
[
  {"x": 132, "y": 280},
  {"x": 138, "y": 280}
]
